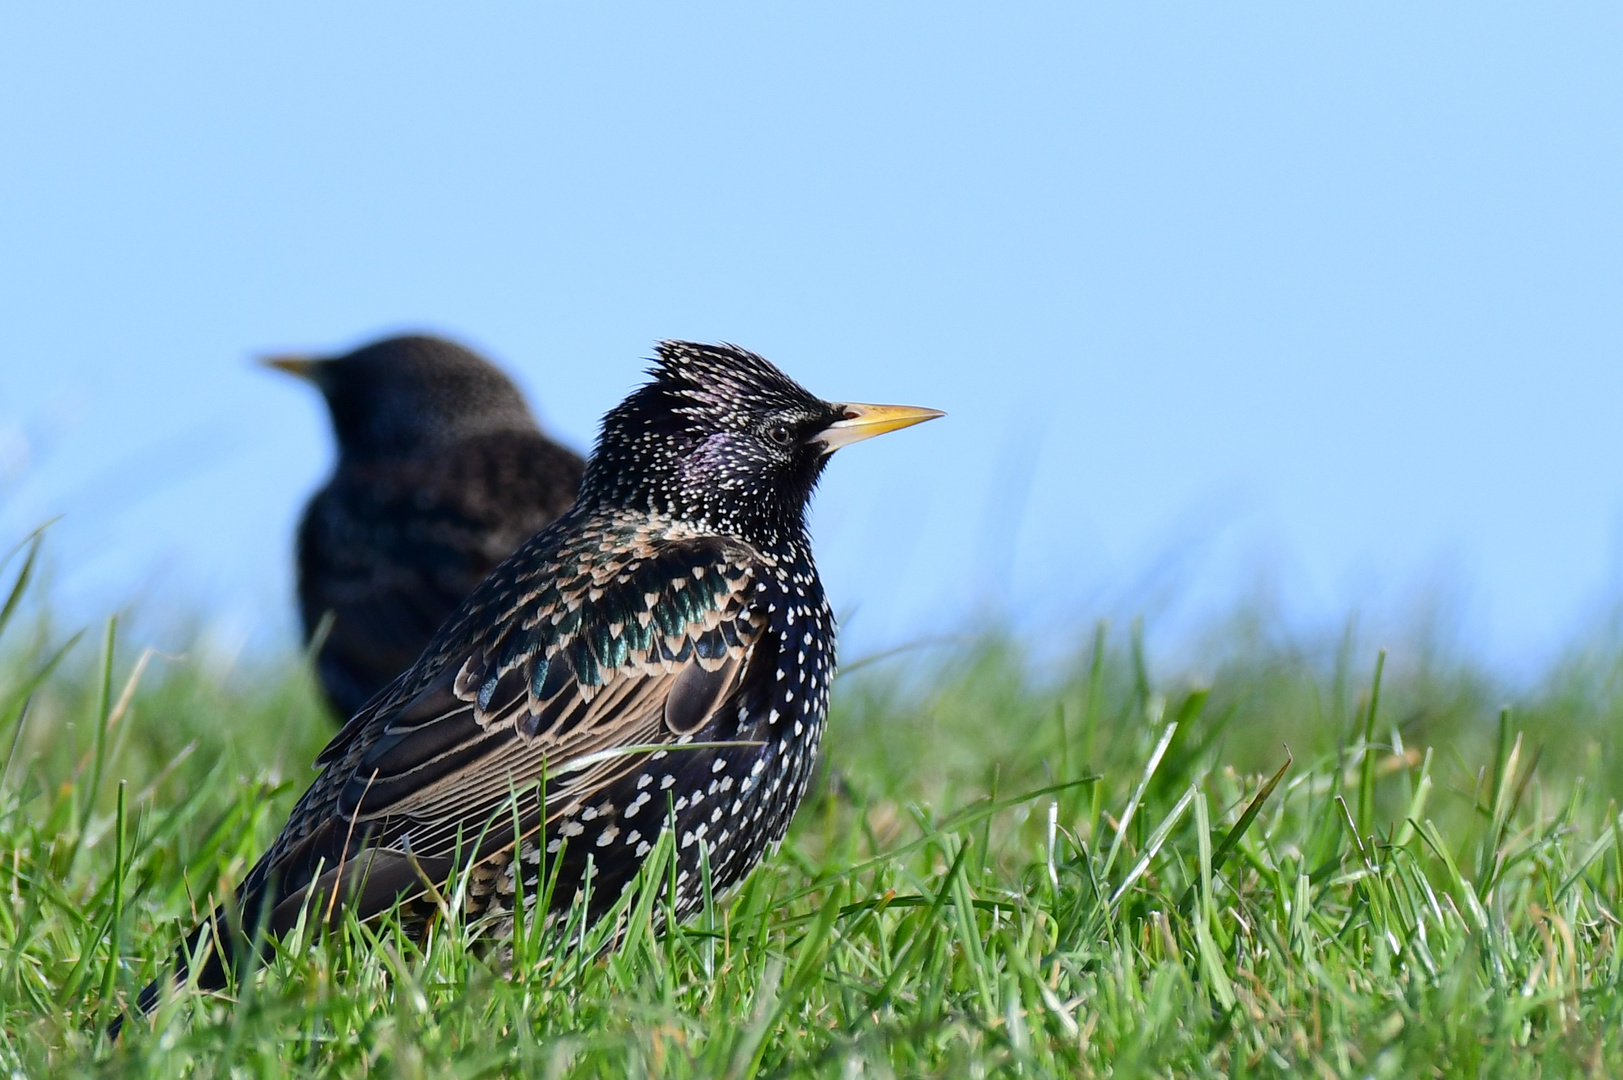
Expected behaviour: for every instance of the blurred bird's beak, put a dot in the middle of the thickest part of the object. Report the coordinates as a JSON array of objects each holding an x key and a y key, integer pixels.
[
  {"x": 866, "y": 421},
  {"x": 303, "y": 367}
]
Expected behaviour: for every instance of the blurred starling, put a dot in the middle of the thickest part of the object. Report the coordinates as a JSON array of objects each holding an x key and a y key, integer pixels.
[
  {"x": 441, "y": 474},
  {"x": 660, "y": 654}
]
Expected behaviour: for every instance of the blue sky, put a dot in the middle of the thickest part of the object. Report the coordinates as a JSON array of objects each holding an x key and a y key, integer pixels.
[{"x": 1322, "y": 296}]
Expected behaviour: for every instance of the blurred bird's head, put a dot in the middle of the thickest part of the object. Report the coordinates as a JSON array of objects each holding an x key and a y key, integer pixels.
[
  {"x": 410, "y": 395},
  {"x": 720, "y": 437}
]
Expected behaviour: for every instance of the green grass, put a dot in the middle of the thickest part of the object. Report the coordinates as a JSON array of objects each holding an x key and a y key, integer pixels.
[{"x": 1087, "y": 870}]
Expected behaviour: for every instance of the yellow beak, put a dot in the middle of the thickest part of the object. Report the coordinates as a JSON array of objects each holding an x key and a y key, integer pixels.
[
  {"x": 866, "y": 421},
  {"x": 304, "y": 367}
]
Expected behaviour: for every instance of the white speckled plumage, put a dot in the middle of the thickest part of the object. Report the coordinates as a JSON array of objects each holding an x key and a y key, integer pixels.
[{"x": 662, "y": 654}]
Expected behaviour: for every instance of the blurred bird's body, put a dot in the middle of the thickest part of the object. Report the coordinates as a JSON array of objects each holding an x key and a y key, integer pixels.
[
  {"x": 659, "y": 656},
  {"x": 441, "y": 474}
]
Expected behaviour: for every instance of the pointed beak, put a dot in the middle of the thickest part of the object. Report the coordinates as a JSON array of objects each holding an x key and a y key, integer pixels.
[
  {"x": 866, "y": 421},
  {"x": 303, "y": 367}
]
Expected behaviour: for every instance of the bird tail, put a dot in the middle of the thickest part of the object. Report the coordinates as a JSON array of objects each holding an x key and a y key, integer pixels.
[
  {"x": 264, "y": 906},
  {"x": 213, "y": 965},
  {"x": 233, "y": 931}
]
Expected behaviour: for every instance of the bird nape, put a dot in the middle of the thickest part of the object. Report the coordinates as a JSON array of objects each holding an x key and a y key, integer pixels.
[
  {"x": 441, "y": 473},
  {"x": 660, "y": 656}
]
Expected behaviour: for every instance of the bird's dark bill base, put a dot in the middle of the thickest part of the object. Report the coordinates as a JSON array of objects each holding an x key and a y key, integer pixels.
[{"x": 865, "y": 421}]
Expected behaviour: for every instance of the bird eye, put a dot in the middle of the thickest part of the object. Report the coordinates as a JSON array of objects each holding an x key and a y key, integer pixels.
[{"x": 781, "y": 434}]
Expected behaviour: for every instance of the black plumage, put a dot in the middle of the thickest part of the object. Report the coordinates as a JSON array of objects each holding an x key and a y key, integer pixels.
[
  {"x": 441, "y": 474},
  {"x": 675, "y": 607}
]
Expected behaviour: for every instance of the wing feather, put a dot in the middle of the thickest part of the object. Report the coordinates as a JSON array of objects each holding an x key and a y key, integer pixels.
[{"x": 642, "y": 654}]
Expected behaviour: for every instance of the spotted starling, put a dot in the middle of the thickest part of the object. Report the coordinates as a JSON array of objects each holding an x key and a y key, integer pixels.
[
  {"x": 441, "y": 474},
  {"x": 661, "y": 654}
]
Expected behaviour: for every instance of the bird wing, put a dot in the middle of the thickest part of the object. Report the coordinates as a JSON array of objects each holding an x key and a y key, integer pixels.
[{"x": 638, "y": 651}]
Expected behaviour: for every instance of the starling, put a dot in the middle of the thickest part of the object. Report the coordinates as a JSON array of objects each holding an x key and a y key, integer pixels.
[
  {"x": 660, "y": 655},
  {"x": 442, "y": 473}
]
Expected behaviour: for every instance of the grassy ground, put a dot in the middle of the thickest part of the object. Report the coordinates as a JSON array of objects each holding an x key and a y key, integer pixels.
[{"x": 1102, "y": 870}]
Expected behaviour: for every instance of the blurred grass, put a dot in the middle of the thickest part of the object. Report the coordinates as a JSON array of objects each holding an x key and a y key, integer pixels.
[{"x": 1077, "y": 870}]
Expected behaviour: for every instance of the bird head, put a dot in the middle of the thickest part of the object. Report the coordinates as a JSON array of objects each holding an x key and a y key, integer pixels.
[
  {"x": 410, "y": 395},
  {"x": 720, "y": 436}
]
